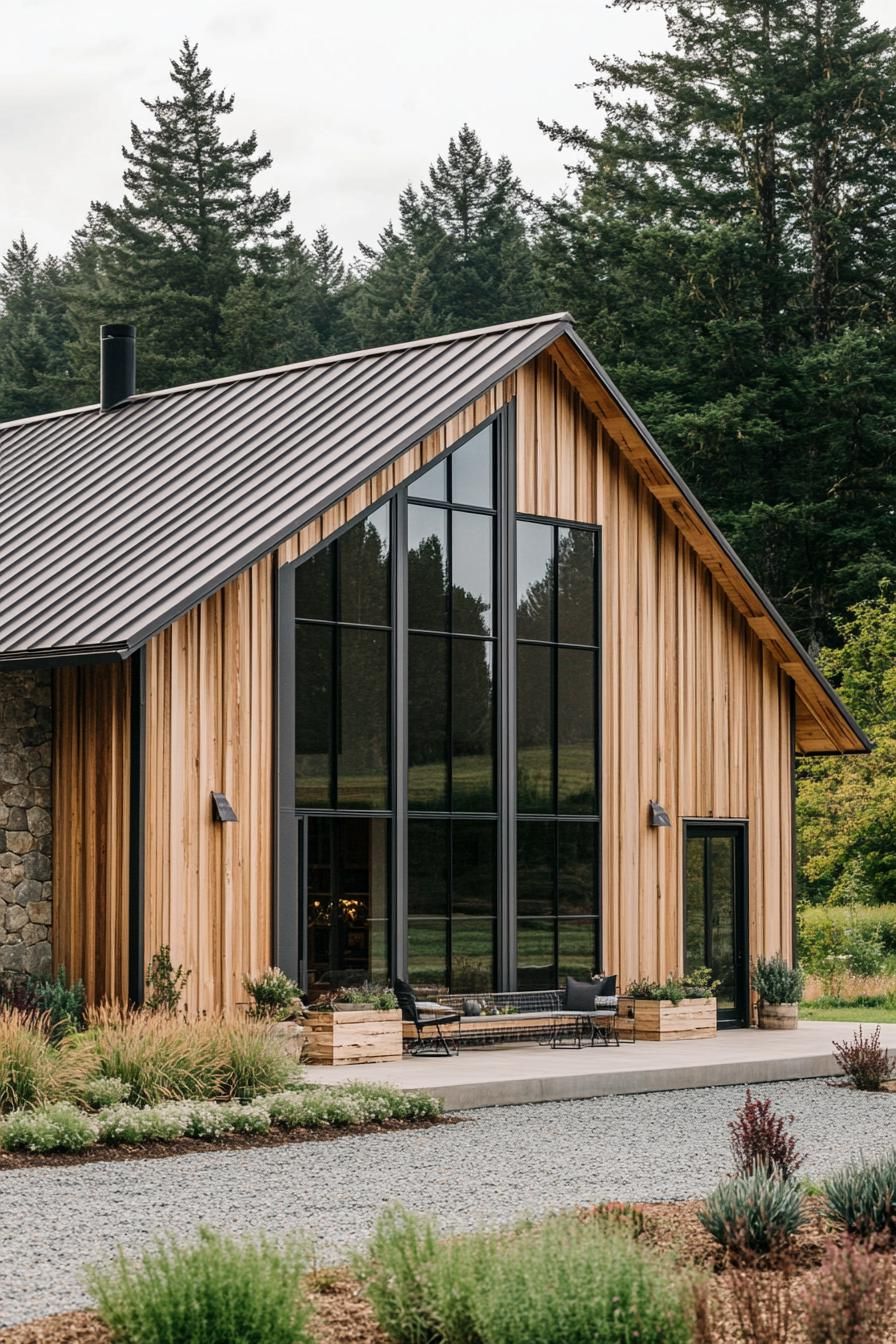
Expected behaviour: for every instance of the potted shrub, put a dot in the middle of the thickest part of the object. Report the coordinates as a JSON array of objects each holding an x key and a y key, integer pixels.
[
  {"x": 679, "y": 1009},
  {"x": 780, "y": 988},
  {"x": 277, "y": 1001},
  {"x": 361, "y": 1025}
]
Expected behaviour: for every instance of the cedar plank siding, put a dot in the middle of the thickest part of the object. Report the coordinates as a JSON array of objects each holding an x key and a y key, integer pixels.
[
  {"x": 695, "y": 713},
  {"x": 91, "y": 833}
]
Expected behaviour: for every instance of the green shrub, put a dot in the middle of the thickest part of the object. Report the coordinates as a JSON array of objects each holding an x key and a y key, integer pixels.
[
  {"x": 380, "y": 997},
  {"x": 141, "y": 1124},
  {"x": 247, "y": 1119},
  {"x": 380, "y": 1102},
  {"x": 574, "y": 1282},
  {"x": 274, "y": 996},
  {"x": 776, "y": 982},
  {"x": 34, "y": 1072},
  {"x": 98, "y": 1093},
  {"x": 57, "y": 1128},
  {"x": 166, "y": 984},
  {"x": 396, "y": 1274},
  {"x": 313, "y": 1108},
  {"x": 254, "y": 1061},
  {"x": 62, "y": 1004},
  {"x": 862, "y": 1198},
  {"x": 755, "y": 1214},
  {"x": 216, "y": 1291},
  {"x": 564, "y": 1281},
  {"x": 860, "y": 934}
]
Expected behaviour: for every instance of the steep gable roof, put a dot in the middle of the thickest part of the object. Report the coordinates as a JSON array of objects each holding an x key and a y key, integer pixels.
[{"x": 128, "y": 517}]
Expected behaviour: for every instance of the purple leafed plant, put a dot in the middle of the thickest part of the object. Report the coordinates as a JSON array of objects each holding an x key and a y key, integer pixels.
[
  {"x": 761, "y": 1138},
  {"x": 864, "y": 1061}
]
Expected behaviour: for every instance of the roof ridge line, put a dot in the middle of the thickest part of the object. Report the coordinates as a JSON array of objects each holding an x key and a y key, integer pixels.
[{"x": 321, "y": 360}]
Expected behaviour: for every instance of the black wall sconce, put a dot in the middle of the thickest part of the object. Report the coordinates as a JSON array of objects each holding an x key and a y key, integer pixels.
[
  {"x": 222, "y": 809},
  {"x": 658, "y": 814}
]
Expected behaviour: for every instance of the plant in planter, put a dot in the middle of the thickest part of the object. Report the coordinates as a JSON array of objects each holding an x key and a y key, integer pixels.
[
  {"x": 360, "y": 1025},
  {"x": 780, "y": 988},
  {"x": 274, "y": 996},
  {"x": 699, "y": 984},
  {"x": 671, "y": 1011}
]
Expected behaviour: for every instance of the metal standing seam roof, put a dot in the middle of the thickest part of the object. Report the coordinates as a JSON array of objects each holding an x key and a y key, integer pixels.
[
  {"x": 127, "y": 517},
  {"x": 123, "y": 519}
]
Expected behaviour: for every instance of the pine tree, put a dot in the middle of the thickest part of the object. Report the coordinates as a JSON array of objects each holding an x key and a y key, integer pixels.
[
  {"x": 190, "y": 228},
  {"x": 725, "y": 252},
  {"x": 33, "y": 332},
  {"x": 461, "y": 255}
]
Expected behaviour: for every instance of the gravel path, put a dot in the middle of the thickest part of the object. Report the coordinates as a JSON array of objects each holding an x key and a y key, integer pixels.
[{"x": 498, "y": 1165}]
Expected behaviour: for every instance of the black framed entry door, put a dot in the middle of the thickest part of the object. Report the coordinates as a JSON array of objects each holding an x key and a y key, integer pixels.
[{"x": 715, "y": 912}]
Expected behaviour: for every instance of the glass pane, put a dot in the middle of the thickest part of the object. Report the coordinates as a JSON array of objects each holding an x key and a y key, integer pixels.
[
  {"x": 348, "y": 901},
  {"x": 471, "y": 471},
  {"x": 471, "y": 573},
  {"x": 534, "y": 581},
  {"x": 577, "y": 881},
  {"x": 536, "y": 859},
  {"x": 721, "y": 862},
  {"x": 314, "y": 714},
  {"x": 428, "y": 705},
  {"x": 694, "y": 900},
  {"x": 535, "y": 758},
  {"x": 535, "y": 954},
  {"x": 363, "y": 749},
  {"x": 575, "y": 586},
  {"x": 428, "y": 867},
  {"x": 472, "y": 693},
  {"x": 428, "y": 956},
  {"x": 472, "y": 956},
  {"x": 576, "y": 941},
  {"x": 474, "y": 868},
  {"x": 363, "y": 557},
  {"x": 316, "y": 587},
  {"x": 427, "y": 568},
  {"x": 433, "y": 483},
  {"x": 576, "y": 746}
]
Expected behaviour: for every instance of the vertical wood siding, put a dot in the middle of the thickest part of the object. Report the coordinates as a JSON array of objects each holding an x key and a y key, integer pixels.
[
  {"x": 91, "y": 825},
  {"x": 696, "y": 713}
]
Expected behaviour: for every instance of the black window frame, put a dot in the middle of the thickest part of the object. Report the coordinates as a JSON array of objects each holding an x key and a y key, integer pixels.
[{"x": 290, "y": 868}]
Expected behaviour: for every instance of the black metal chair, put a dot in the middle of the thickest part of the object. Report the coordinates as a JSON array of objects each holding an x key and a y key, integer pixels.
[{"x": 433, "y": 1015}]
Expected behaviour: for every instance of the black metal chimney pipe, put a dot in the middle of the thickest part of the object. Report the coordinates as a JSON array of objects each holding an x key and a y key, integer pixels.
[{"x": 118, "y": 363}]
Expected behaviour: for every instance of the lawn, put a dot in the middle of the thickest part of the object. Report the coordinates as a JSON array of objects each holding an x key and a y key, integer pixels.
[{"x": 814, "y": 1012}]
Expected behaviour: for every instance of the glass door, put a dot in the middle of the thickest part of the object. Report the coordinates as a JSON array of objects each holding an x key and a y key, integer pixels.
[{"x": 715, "y": 912}]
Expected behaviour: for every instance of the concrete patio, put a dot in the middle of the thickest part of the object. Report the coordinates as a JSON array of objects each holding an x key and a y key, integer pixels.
[{"x": 517, "y": 1074}]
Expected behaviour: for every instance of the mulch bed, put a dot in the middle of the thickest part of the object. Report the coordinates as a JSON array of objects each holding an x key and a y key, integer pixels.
[
  {"x": 342, "y": 1315},
  {"x": 127, "y": 1152}
]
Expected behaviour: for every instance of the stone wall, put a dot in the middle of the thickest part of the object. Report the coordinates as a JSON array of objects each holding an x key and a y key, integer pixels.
[{"x": 26, "y": 829}]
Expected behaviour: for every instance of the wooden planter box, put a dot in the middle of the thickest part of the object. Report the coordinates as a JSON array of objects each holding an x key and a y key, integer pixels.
[
  {"x": 364, "y": 1036},
  {"x": 662, "y": 1020}
]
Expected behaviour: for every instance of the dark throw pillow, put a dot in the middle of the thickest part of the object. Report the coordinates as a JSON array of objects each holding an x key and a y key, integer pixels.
[
  {"x": 580, "y": 995},
  {"x": 604, "y": 986}
]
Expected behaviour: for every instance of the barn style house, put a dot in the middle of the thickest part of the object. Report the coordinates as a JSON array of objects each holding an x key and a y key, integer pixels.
[{"x": 419, "y": 661}]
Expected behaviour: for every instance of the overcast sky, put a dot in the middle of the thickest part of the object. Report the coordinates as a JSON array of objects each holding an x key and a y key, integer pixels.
[{"x": 354, "y": 98}]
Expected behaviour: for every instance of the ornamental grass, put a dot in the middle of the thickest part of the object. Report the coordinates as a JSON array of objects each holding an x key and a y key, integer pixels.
[
  {"x": 33, "y": 1071},
  {"x": 159, "y": 1057}
]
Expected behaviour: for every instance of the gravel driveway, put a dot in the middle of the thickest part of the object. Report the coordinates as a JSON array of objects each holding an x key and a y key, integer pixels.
[{"x": 497, "y": 1165}]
